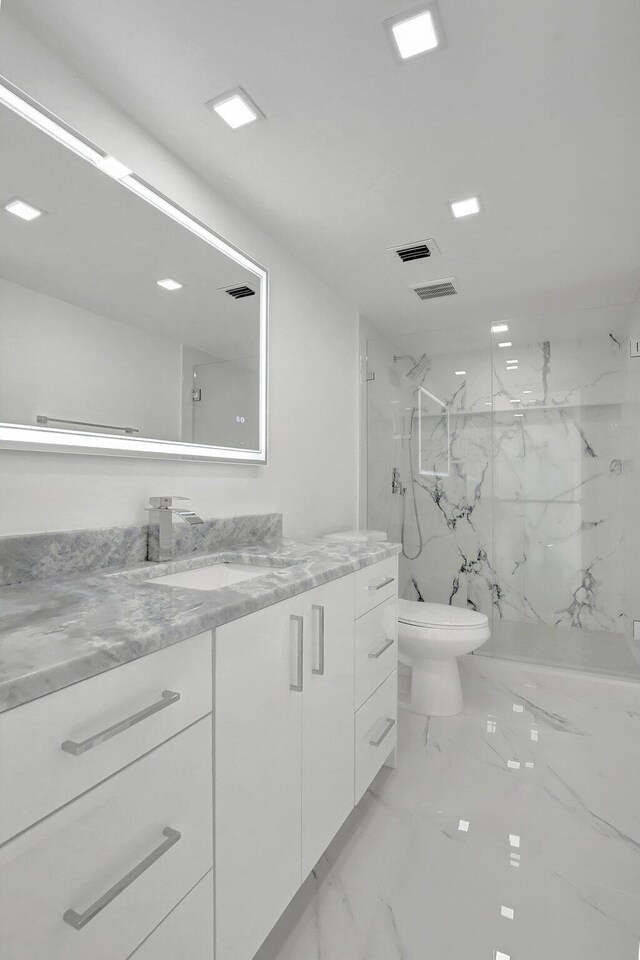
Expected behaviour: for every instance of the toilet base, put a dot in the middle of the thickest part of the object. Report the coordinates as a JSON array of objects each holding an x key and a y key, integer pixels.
[{"x": 435, "y": 687}]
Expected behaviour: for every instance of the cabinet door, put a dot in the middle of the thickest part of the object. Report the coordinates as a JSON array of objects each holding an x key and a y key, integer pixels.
[
  {"x": 258, "y": 747},
  {"x": 327, "y": 718}
]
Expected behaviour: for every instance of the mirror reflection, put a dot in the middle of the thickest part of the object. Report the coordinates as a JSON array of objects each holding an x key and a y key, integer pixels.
[{"x": 115, "y": 319}]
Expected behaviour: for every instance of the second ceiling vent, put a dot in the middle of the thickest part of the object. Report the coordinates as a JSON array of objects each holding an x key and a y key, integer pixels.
[{"x": 444, "y": 287}]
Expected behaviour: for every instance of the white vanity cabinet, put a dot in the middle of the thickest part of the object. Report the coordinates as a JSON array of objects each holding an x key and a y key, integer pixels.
[
  {"x": 117, "y": 772},
  {"x": 283, "y": 755},
  {"x": 257, "y": 763},
  {"x": 200, "y": 783},
  {"x": 292, "y": 695}
]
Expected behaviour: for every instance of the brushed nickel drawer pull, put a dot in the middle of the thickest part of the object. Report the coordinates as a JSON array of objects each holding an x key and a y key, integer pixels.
[
  {"x": 76, "y": 749},
  {"x": 378, "y": 653},
  {"x": 390, "y": 725},
  {"x": 299, "y": 625},
  {"x": 319, "y": 670},
  {"x": 79, "y": 920},
  {"x": 379, "y": 584}
]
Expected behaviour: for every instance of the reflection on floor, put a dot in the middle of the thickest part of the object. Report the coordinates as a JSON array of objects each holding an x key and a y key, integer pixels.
[
  {"x": 594, "y": 651},
  {"x": 510, "y": 831}
]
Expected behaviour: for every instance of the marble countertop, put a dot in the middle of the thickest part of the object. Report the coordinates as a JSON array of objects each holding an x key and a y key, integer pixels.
[{"x": 56, "y": 631}]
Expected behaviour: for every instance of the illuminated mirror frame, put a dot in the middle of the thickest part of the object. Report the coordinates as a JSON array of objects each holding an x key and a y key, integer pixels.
[{"x": 24, "y": 436}]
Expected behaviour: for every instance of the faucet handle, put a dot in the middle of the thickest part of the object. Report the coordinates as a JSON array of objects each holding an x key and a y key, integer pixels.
[{"x": 164, "y": 502}]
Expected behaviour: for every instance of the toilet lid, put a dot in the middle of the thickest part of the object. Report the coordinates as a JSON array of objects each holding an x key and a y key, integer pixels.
[{"x": 439, "y": 615}]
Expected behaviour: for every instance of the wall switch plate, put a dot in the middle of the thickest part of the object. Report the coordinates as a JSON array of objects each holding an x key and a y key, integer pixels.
[
  {"x": 636, "y": 629},
  {"x": 634, "y": 347}
]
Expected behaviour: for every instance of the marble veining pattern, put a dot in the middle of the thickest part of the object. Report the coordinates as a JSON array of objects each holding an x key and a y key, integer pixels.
[
  {"x": 57, "y": 631},
  {"x": 35, "y": 555},
  {"x": 526, "y": 491},
  {"x": 544, "y": 767}
]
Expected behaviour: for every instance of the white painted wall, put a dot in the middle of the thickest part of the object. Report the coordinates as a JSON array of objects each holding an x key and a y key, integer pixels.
[
  {"x": 62, "y": 361},
  {"x": 312, "y": 469}
]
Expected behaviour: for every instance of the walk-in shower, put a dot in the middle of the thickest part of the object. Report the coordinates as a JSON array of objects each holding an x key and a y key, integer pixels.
[{"x": 531, "y": 517}]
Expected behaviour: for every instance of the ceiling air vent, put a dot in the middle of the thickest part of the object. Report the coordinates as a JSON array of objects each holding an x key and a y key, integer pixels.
[
  {"x": 239, "y": 292},
  {"x": 419, "y": 250},
  {"x": 435, "y": 288}
]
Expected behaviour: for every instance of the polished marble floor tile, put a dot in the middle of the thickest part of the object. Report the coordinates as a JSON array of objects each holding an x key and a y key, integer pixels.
[{"x": 509, "y": 831}]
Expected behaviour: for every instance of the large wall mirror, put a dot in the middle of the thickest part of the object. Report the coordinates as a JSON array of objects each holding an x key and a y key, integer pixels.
[{"x": 126, "y": 326}]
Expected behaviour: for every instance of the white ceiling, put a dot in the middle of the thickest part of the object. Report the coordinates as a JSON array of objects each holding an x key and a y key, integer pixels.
[{"x": 533, "y": 106}]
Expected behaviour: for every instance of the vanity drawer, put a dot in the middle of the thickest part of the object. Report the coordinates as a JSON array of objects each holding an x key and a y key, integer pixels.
[
  {"x": 376, "y": 730},
  {"x": 187, "y": 931},
  {"x": 376, "y": 648},
  {"x": 38, "y": 775},
  {"x": 375, "y": 584},
  {"x": 154, "y": 818}
]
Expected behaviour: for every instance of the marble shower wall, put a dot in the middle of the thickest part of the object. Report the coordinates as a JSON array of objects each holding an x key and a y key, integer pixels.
[
  {"x": 564, "y": 441},
  {"x": 527, "y": 488},
  {"x": 451, "y": 451}
]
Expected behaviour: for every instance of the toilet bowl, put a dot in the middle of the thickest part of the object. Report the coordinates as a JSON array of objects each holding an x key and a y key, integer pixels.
[{"x": 430, "y": 638}]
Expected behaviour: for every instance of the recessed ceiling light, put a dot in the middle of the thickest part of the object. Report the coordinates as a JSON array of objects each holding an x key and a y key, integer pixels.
[
  {"x": 515, "y": 401},
  {"x": 113, "y": 168},
  {"x": 236, "y": 108},
  {"x": 512, "y": 363},
  {"x": 518, "y": 414},
  {"x": 23, "y": 210},
  {"x": 464, "y": 208},
  {"x": 505, "y": 343},
  {"x": 169, "y": 284},
  {"x": 460, "y": 373},
  {"x": 414, "y": 32},
  {"x": 527, "y": 391},
  {"x": 499, "y": 328}
]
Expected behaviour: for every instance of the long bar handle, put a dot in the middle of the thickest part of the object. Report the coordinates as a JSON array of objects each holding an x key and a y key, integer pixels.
[
  {"x": 299, "y": 625},
  {"x": 390, "y": 725},
  {"x": 378, "y": 653},
  {"x": 379, "y": 584},
  {"x": 319, "y": 609},
  {"x": 76, "y": 749},
  {"x": 80, "y": 920}
]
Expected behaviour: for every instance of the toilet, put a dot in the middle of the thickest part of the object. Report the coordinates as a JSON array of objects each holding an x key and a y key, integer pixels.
[{"x": 430, "y": 638}]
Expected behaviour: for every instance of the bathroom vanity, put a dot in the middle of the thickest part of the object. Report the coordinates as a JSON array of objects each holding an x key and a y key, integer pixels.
[{"x": 185, "y": 777}]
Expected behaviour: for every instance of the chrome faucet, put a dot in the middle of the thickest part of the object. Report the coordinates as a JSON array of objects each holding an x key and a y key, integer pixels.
[{"x": 161, "y": 513}]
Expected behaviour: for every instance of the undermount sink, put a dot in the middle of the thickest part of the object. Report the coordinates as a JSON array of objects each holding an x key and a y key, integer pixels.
[{"x": 212, "y": 577}]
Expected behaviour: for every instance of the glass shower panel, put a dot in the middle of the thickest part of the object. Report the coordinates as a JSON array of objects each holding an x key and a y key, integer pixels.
[
  {"x": 429, "y": 417},
  {"x": 563, "y": 437}
]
